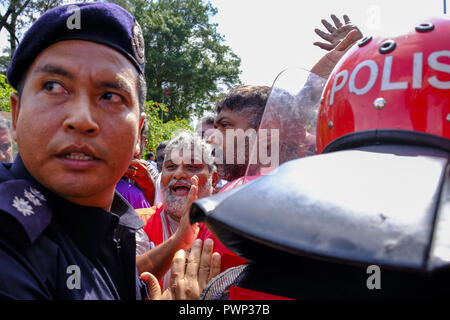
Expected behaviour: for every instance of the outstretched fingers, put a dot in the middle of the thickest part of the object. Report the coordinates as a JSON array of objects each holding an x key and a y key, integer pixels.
[
  {"x": 336, "y": 21},
  {"x": 346, "y": 19},
  {"x": 328, "y": 26}
]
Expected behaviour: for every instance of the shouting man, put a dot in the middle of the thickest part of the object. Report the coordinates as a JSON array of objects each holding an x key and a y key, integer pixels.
[{"x": 187, "y": 173}]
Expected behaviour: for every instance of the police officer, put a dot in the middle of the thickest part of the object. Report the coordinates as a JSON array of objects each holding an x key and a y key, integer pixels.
[{"x": 77, "y": 114}]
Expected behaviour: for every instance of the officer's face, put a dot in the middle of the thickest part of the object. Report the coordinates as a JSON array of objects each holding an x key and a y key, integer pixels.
[{"x": 77, "y": 121}]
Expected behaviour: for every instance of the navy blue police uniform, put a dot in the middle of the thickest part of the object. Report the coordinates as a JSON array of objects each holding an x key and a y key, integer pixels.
[{"x": 51, "y": 248}]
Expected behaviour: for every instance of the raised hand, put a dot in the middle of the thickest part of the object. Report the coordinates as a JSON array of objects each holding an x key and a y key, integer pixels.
[
  {"x": 139, "y": 172},
  {"x": 188, "y": 279},
  {"x": 341, "y": 38},
  {"x": 337, "y": 33}
]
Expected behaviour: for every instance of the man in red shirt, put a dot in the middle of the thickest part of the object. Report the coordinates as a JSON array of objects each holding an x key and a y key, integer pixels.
[{"x": 188, "y": 173}]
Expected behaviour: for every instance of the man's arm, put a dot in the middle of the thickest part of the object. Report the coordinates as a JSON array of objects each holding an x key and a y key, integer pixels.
[{"x": 158, "y": 260}]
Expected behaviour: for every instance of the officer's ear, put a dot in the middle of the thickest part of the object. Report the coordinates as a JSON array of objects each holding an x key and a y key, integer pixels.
[{"x": 15, "y": 104}]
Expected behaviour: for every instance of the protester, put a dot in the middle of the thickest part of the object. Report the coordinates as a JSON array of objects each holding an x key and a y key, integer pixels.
[
  {"x": 240, "y": 109},
  {"x": 188, "y": 165},
  {"x": 137, "y": 186}
]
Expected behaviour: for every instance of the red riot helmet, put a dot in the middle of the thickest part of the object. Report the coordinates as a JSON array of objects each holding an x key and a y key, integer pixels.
[{"x": 387, "y": 87}]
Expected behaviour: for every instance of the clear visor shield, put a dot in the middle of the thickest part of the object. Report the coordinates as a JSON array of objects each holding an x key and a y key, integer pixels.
[{"x": 288, "y": 125}]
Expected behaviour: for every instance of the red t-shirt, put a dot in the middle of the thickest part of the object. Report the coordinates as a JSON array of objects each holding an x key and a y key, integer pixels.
[{"x": 153, "y": 228}]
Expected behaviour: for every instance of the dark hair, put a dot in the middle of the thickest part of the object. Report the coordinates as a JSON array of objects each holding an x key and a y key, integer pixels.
[
  {"x": 160, "y": 154},
  {"x": 161, "y": 146},
  {"x": 208, "y": 119},
  {"x": 149, "y": 155},
  {"x": 249, "y": 99}
]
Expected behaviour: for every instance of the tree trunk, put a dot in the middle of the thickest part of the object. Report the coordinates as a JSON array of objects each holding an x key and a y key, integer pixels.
[{"x": 12, "y": 35}]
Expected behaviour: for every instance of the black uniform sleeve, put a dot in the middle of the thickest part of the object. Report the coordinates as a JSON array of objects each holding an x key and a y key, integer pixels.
[{"x": 18, "y": 279}]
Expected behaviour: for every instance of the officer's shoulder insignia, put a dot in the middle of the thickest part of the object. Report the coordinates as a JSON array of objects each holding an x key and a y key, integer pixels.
[
  {"x": 137, "y": 42},
  {"x": 26, "y": 205}
]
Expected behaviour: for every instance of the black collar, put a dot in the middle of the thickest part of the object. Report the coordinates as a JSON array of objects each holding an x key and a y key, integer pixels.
[{"x": 87, "y": 226}]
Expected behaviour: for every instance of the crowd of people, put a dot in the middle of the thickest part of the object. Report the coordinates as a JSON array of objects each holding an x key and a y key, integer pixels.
[{"x": 83, "y": 216}]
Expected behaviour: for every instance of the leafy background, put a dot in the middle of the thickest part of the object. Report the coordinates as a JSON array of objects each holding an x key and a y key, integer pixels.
[{"x": 188, "y": 67}]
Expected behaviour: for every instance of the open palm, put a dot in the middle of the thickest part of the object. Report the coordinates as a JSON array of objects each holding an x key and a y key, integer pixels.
[{"x": 337, "y": 33}]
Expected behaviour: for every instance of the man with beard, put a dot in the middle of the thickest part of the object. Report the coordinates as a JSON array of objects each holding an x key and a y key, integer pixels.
[
  {"x": 239, "y": 112},
  {"x": 187, "y": 173}
]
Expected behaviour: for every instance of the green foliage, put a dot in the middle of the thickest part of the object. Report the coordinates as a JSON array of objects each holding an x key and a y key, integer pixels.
[
  {"x": 4, "y": 62},
  {"x": 5, "y": 93},
  {"x": 20, "y": 14},
  {"x": 159, "y": 130},
  {"x": 188, "y": 66}
]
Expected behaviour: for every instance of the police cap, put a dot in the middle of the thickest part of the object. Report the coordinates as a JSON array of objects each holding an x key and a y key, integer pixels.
[{"x": 103, "y": 23}]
